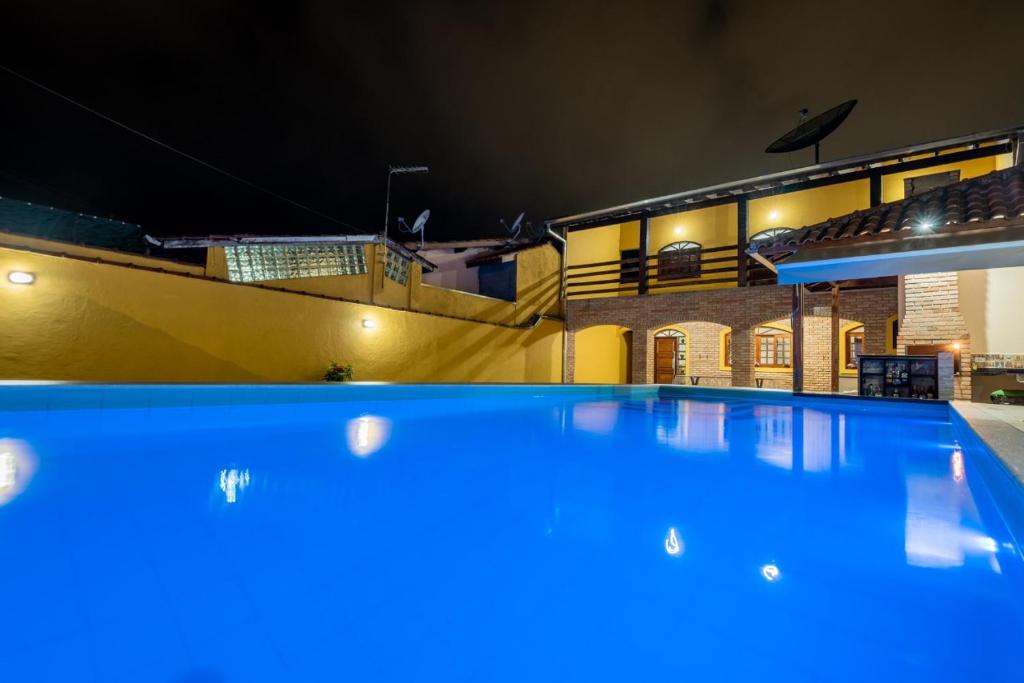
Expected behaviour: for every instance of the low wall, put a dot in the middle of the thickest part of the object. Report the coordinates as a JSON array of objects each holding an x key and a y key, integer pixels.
[{"x": 92, "y": 321}]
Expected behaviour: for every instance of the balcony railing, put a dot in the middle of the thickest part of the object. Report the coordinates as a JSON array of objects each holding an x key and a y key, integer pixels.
[{"x": 684, "y": 270}]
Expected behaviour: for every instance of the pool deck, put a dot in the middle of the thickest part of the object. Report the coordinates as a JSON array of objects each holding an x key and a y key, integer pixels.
[{"x": 1001, "y": 427}]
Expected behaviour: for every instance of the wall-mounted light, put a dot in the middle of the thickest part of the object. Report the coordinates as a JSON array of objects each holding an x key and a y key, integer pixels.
[
  {"x": 369, "y": 324},
  {"x": 20, "y": 277},
  {"x": 679, "y": 230},
  {"x": 773, "y": 215},
  {"x": 925, "y": 226}
]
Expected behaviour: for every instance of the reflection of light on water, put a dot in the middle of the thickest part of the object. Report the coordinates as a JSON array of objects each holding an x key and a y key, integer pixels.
[
  {"x": 17, "y": 465},
  {"x": 367, "y": 434},
  {"x": 232, "y": 481},
  {"x": 694, "y": 427},
  {"x": 956, "y": 465},
  {"x": 771, "y": 573},
  {"x": 597, "y": 417},
  {"x": 673, "y": 544},
  {"x": 773, "y": 426},
  {"x": 8, "y": 471}
]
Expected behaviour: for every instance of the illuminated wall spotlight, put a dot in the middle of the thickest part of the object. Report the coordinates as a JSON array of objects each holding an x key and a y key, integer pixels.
[
  {"x": 773, "y": 215},
  {"x": 678, "y": 230},
  {"x": 20, "y": 277},
  {"x": 369, "y": 324}
]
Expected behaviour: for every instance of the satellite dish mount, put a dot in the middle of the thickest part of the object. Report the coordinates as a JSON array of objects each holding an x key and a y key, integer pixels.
[
  {"x": 418, "y": 225},
  {"x": 812, "y": 131}
]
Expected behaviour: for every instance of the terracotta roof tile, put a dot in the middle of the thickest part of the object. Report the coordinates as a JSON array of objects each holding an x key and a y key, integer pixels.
[{"x": 989, "y": 197}]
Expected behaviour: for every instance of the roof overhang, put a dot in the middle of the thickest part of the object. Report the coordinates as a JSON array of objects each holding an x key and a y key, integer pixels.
[
  {"x": 220, "y": 241},
  {"x": 971, "y": 246},
  {"x": 887, "y": 162}
]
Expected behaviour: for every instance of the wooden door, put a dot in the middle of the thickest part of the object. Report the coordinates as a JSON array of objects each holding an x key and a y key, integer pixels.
[{"x": 665, "y": 349}]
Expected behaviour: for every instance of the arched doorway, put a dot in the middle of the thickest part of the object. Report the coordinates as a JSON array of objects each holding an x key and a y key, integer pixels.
[{"x": 669, "y": 355}]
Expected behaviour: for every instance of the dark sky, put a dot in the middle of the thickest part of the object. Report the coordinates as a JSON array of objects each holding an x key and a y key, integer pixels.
[{"x": 548, "y": 107}]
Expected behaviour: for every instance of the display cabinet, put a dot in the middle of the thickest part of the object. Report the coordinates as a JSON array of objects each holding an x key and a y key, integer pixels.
[{"x": 898, "y": 376}]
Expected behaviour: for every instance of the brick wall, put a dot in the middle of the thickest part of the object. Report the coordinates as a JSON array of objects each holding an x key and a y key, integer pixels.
[
  {"x": 703, "y": 313},
  {"x": 931, "y": 305}
]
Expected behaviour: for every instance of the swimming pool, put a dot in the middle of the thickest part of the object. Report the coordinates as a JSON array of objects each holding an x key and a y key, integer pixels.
[{"x": 196, "y": 534}]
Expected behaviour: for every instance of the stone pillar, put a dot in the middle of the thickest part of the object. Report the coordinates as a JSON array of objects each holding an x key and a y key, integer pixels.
[
  {"x": 742, "y": 356},
  {"x": 931, "y": 316},
  {"x": 643, "y": 357},
  {"x": 817, "y": 344},
  {"x": 570, "y": 356}
]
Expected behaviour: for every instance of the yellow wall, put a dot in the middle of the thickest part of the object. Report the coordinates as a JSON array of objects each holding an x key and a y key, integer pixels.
[
  {"x": 892, "y": 185},
  {"x": 596, "y": 245},
  {"x": 807, "y": 207},
  {"x": 96, "y": 322},
  {"x": 713, "y": 226},
  {"x": 602, "y": 355},
  {"x": 538, "y": 276}
]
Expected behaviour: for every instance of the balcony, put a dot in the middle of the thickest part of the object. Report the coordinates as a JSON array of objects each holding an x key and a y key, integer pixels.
[{"x": 676, "y": 271}]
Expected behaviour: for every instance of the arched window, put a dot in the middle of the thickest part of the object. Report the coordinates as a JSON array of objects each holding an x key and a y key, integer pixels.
[
  {"x": 854, "y": 346},
  {"x": 680, "y": 356},
  {"x": 679, "y": 260},
  {"x": 773, "y": 347},
  {"x": 770, "y": 235}
]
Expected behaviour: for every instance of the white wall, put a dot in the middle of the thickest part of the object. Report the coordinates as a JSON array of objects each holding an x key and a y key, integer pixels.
[
  {"x": 452, "y": 272},
  {"x": 992, "y": 304}
]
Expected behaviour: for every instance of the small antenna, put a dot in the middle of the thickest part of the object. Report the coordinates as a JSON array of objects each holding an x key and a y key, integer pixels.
[{"x": 418, "y": 225}]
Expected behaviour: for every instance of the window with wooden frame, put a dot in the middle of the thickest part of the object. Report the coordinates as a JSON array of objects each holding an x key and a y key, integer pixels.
[
  {"x": 854, "y": 346},
  {"x": 773, "y": 348},
  {"x": 679, "y": 261}
]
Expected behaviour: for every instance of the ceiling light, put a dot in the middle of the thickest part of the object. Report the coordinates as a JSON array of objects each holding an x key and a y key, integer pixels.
[{"x": 20, "y": 277}]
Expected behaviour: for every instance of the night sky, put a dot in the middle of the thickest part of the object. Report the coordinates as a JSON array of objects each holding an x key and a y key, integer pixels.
[{"x": 547, "y": 107}]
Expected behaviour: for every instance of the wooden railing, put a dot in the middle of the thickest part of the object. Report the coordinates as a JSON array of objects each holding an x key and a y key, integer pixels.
[{"x": 675, "y": 271}]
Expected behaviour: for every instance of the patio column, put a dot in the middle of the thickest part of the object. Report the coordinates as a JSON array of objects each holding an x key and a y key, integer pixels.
[
  {"x": 642, "y": 357},
  {"x": 835, "y": 339},
  {"x": 797, "y": 323},
  {"x": 742, "y": 356},
  {"x": 643, "y": 277},
  {"x": 569, "y": 371}
]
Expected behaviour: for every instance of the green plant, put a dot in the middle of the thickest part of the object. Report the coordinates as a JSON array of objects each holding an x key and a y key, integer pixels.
[{"x": 338, "y": 373}]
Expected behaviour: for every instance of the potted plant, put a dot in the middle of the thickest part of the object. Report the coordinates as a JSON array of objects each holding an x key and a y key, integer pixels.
[{"x": 338, "y": 373}]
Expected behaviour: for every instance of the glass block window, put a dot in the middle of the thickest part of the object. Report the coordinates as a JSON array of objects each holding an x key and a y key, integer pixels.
[
  {"x": 258, "y": 262},
  {"x": 397, "y": 267}
]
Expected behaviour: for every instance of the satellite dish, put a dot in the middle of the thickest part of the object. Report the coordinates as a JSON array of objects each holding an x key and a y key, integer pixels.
[
  {"x": 418, "y": 225},
  {"x": 516, "y": 225},
  {"x": 812, "y": 131}
]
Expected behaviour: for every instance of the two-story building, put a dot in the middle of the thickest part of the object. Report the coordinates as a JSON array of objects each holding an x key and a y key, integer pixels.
[{"x": 683, "y": 288}]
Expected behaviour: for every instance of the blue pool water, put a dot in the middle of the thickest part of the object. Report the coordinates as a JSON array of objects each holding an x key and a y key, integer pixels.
[{"x": 492, "y": 535}]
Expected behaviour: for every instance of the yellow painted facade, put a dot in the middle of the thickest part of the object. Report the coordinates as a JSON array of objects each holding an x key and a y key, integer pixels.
[
  {"x": 716, "y": 226},
  {"x": 121, "y": 319},
  {"x": 602, "y": 355}
]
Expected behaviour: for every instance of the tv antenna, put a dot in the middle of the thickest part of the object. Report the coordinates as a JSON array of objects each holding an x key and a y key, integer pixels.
[
  {"x": 516, "y": 227},
  {"x": 418, "y": 225},
  {"x": 812, "y": 131}
]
